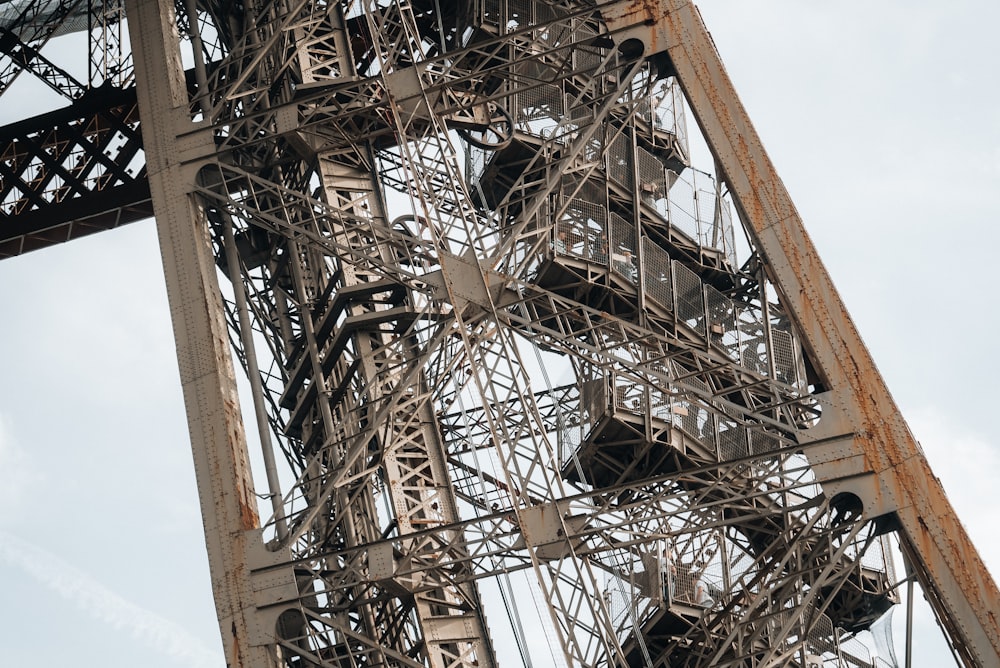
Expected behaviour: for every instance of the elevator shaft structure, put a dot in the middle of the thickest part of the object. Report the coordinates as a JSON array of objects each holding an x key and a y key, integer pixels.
[{"x": 497, "y": 329}]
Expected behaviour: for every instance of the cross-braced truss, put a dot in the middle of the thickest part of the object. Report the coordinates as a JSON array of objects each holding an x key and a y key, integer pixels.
[
  {"x": 80, "y": 169},
  {"x": 493, "y": 321}
]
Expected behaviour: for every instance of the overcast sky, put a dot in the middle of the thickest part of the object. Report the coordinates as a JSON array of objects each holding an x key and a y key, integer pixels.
[{"x": 882, "y": 120}]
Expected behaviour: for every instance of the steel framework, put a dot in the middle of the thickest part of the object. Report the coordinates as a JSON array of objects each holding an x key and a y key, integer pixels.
[{"x": 422, "y": 213}]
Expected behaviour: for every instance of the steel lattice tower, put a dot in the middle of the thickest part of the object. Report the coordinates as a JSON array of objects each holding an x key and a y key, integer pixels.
[{"x": 493, "y": 321}]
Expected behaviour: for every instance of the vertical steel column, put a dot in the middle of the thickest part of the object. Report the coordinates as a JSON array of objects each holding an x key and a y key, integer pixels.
[
  {"x": 414, "y": 465},
  {"x": 225, "y": 486}
]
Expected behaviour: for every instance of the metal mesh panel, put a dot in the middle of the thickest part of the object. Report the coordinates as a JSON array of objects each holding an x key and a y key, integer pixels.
[
  {"x": 761, "y": 442},
  {"x": 629, "y": 589},
  {"x": 478, "y": 159},
  {"x": 686, "y": 418},
  {"x": 617, "y": 599},
  {"x": 589, "y": 190},
  {"x": 664, "y": 107},
  {"x": 551, "y": 36},
  {"x": 511, "y": 15},
  {"x": 722, "y": 322},
  {"x": 709, "y": 585},
  {"x": 676, "y": 103},
  {"x": 822, "y": 639},
  {"x": 652, "y": 182},
  {"x": 878, "y": 557},
  {"x": 784, "y": 356},
  {"x": 586, "y": 59},
  {"x": 780, "y": 618},
  {"x": 660, "y": 396},
  {"x": 709, "y": 430},
  {"x": 694, "y": 419},
  {"x": 700, "y": 577},
  {"x": 564, "y": 243},
  {"x": 684, "y": 588},
  {"x": 709, "y": 233},
  {"x": 732, "y": 440},
  {"x": 580, "y": 114},
  {"x": 544, "y": 12},
  {"x": 593, "y": 150},
  {"x": 690, "y": 298},
  {"x": 582, "y": 30},
  {"x": 491, "y": 12},
  {"x": 584, "y": 225},
  {"x": 660, "y": 404},
  {"x": 855, "y": 653},
  {"x": 75, "y": 21},
  {"x": 619, "y": 158},
  {"x": 570, "y": 437},
  {"x": 623, "y": 256},
  {"x": 539, "y": 110},
  {"x": 629, "y": 396},
  {"x": 656, "y": 274},
  {"x": 753, "y": 342},
  {"x": 695, "y": 210},
  {"x": 519, "y": 14},
  {"x": 645, "y": 107},
  {"x": 682, "y": 212}
]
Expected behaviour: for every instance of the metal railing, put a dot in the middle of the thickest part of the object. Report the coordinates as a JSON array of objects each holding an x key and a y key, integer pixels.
[{"x": 724, "y": 438}]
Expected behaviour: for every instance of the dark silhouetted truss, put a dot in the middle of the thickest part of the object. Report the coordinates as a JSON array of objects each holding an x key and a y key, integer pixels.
[
  {"x": 423, "y": 212},
  {"x": 79, "y": 169},
  {"x": 72, "y": 172}
]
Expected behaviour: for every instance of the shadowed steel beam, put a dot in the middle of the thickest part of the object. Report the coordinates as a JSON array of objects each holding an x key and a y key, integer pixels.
[
  {"x": 964, "y": 596},
  {"x": 71, "y": 172},
  {"x": 34, "y": 26},
  {"x": 31, "y": 60}
]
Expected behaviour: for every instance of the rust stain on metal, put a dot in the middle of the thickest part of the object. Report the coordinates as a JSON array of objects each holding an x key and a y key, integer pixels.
[
  {"x": 232, "y": 418},
  {"x": 640, "y": 11},
  {"x": 249, "y": 519},
  {"x": 882, "y": 437},
  {"x": 623, "y": 15},
  {"x": 236, "y": 653}
]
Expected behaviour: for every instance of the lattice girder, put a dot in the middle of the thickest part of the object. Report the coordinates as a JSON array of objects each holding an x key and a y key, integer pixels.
[
  {"x": 72, "y": 172},
  {"x": 409, "y": 200}
]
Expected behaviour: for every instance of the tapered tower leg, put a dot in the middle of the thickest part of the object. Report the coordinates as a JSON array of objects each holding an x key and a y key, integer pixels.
[
  {"x": 225, "y": 486},
  {"x": 871, "y": 452}
]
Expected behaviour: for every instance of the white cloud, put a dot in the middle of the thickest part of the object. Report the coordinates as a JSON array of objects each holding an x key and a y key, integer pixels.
[{"x": 95, "y": 599}]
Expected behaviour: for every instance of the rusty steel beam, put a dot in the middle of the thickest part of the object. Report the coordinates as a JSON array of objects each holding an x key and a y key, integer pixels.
[
  {"x": 872, "y": 442},
  {"x": 221, "y": 460}
]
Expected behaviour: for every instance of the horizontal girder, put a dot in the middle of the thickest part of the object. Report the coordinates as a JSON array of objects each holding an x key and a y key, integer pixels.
[{"x": 72, "y": 172}]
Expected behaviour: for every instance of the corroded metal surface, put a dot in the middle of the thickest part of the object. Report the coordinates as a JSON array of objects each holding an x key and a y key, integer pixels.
[
  {"x": 222, "y": 467},
  {"x": 406, "y": 196},
  {"x": 965, "y": 597}
]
